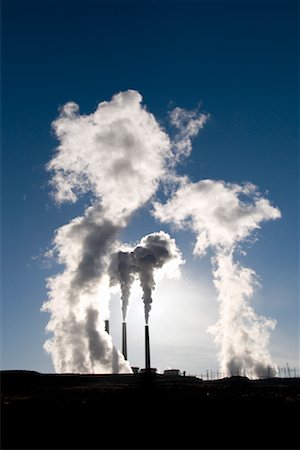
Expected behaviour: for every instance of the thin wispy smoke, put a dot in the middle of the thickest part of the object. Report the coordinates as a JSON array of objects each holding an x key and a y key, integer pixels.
[
  {"x": 155, "y": 251},
  {"x": 188, "y": 123},
  {"x": 223, "y": 215},
  {"x": 118, "y": 155}
]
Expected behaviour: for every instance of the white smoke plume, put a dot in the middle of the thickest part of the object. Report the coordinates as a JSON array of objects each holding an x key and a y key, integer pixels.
[
  {"x": 122, "y": 271},
  {"x": 118, "y": 155},
  {"x": 155, "y": 251},
  {"x": 223, "y": 215},
  {"x": 241, "y": 334},
  {"x": 83, "y": 247}
]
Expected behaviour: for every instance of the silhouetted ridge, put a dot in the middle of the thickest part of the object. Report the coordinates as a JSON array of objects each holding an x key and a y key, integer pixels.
[{"x": 137, "y": 411}]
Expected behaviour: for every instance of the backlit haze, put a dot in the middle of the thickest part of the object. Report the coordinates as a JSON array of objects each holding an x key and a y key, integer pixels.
[{"x": 150, "y": 171}]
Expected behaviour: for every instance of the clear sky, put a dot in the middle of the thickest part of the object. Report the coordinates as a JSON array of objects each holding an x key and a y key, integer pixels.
[{"x": 238, "y": 61}]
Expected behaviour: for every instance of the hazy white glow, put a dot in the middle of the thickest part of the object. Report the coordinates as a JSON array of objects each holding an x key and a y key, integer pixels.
[{"x": 182, "y": 309}]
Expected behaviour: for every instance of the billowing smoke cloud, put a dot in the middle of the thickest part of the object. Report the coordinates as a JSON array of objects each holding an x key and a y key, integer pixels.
[
  {"x": 118, "y": 155},
  {"x": 83, "y": 247},
  {"x": 155, "y": 251},
  {"x": 223, "y": 215}
]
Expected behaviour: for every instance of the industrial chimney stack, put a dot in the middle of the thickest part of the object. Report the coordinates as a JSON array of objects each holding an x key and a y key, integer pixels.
[
  {"x": 147, "y": 349},
  {"x": 124, "y": 340},
  {"x": 107, "y": 326}
]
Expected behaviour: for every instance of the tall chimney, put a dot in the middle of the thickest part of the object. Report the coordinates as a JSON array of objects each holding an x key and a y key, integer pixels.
[
  {"x": 147, "y": 349},
  {"x": 124, "y": 340},
  {"x": 107, "y": 326}
]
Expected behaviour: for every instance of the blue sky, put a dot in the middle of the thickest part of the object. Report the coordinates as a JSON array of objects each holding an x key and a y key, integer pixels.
[{"x": 238, "y": 60}]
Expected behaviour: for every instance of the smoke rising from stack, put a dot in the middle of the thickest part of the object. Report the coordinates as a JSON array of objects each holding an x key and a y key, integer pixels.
[
  {"x": 221, "y": 220},
  {"x": 156, "y": 251},
  {"x": 117, "y": 155},
  {"x": 123, "y": 270}
]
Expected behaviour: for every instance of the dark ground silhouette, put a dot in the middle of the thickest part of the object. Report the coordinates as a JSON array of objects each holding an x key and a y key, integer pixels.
[{"x": 138, "y": 412}]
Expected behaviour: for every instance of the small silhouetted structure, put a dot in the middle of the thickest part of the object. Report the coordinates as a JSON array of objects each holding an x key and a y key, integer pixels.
[
  {"x": 172, "y": 372},
  {"x": 150, "y": 370}
]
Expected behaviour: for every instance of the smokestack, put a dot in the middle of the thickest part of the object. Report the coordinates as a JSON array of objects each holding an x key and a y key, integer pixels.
[
  {"x": 147, "y": 349},
  {"x": 107, "y": 326},
  {"x": 124, "y": 340}
]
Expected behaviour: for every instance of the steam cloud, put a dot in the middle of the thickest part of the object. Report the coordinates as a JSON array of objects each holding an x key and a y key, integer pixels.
[
  {"x": 118, "y": 155},
  {"x": 155, "y": 251},
  {"x": 221, "y": 220}
]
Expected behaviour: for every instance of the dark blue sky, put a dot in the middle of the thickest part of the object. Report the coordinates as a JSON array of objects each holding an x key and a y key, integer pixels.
[{"x": 238, "y": 59}]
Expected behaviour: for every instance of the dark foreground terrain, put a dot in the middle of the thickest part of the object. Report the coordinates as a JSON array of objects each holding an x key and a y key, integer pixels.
[{"x": 146, "y": 411}]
